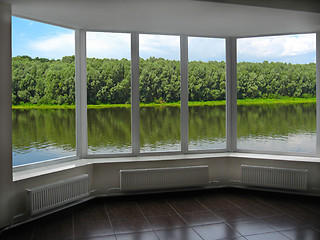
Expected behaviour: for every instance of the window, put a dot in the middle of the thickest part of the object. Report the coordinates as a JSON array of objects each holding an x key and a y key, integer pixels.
[
  {"x": 108, "y": 93},
  {"x": 207, "y": 94},
  {"x": 159, "y": 93},
  {"x": 43, "y": 92},
  {"x": 277, "y": 93}
]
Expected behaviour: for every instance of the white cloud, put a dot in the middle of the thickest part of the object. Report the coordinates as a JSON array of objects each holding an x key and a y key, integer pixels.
[
  {"x": 57, "y": 46},
  {"x": 108, "y": 45},
  {"x": 159, "y": 46},
  {"x": 291, "y": 48},
  {"x": 276, "y": 48},
  {"x": 206, "y": 49},
  {"x": 168, "y": 47},
  {"x": 301, "y": 44},
  {"x": 117, "y": 45}
]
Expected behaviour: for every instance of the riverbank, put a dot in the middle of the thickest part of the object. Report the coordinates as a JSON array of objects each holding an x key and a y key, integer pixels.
[{"x": 258, "y": 101}]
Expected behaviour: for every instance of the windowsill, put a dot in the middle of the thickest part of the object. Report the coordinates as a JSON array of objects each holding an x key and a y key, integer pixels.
[
  {"x": 62, "y": 166},
  {"x": 274, "y": 157}
]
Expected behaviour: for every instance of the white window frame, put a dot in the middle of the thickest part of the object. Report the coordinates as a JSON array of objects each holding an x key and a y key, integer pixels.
[
  {"x": 288, "y": 153},
  {"x": 231, "y": 104}
]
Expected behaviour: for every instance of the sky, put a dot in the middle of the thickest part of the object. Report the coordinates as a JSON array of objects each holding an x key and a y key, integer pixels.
[{"x": 43, "y": 40}]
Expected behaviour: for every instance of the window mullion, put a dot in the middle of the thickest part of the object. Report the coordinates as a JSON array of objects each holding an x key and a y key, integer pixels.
[
  {"x": 135, "y": 109},
  {"x": 184, "y": 92},
  {"x": 231, "y": 93},
  {"x": 81, "y": 93}
]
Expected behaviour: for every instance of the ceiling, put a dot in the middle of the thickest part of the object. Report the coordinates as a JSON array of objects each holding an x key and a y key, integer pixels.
[
  {"x": 217, "y": 18},
  {"x": 298, "y": 5}
]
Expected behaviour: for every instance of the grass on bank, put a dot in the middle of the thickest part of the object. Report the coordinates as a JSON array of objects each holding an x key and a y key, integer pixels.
[{"x": 257, "y": 101}]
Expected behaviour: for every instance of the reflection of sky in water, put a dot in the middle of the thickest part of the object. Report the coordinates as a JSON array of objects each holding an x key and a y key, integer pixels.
[
  {"x": 47, "y": 146},
  {"x": 110, "y": 148},
  {"x": 298, "y": 142},
  {"x": 207, "y": 144},
  {"x": 161, "y": 146},
  {"x": 41, "y": 153}
]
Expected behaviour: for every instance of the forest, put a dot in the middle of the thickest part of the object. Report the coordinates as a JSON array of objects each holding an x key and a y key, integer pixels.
[{"x": 42, "y": 81}]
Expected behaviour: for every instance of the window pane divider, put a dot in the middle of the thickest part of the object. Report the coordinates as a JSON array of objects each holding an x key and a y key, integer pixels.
[
  {"x": 231, "y": 93},
  {"x": 135, "y": 109},
  {"x": 184, "y": 93},
  {"x": 81, "y": 93}
]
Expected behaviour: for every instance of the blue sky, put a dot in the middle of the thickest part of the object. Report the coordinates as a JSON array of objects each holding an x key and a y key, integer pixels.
[{"x": 43, "y": 40}]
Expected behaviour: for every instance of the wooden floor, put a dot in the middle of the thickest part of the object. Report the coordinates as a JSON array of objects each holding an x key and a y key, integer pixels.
[{"x": 211, "y": 214}]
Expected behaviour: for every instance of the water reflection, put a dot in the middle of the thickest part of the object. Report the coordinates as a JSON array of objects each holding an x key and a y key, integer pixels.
[
  {"x": 207, "y": 127},
  {"x": 109, "y": 130},
  {"x": 160, "y": 129},
  {"x": 277, "y": 127},
  {"x": 45, "y": 134},
  {"x": 39, "y": 135}
]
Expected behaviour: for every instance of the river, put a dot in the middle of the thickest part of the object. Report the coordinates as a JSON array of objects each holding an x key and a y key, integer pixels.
[{"x": 50, "y": 133}]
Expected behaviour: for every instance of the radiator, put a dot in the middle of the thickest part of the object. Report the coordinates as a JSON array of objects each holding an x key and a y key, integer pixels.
[
  {"x": 50, "y": 196},
  {"x": 284, "y": 178},
  {"x": 163, "y": 178}
]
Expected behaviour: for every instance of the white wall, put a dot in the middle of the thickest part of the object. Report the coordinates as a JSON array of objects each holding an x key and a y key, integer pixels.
[
  {"x": 6, "y": 187},
  {"x": 18, "y": 204},
  {"x": 223, "y": 171},
  {"x": 234, "y": 169}
]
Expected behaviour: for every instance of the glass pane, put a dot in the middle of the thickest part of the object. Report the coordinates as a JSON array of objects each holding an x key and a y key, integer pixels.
[
  {"x": 43, "y": 92},
  {"x": 277, "y": 93},
  {"x": 207, "y": 94},
  {"x": 159, "y": 93},
  {"x": 108, "y": 89}
]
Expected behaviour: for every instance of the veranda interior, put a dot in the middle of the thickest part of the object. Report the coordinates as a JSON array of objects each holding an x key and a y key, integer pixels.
[{"x": 183, "y": 18}]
